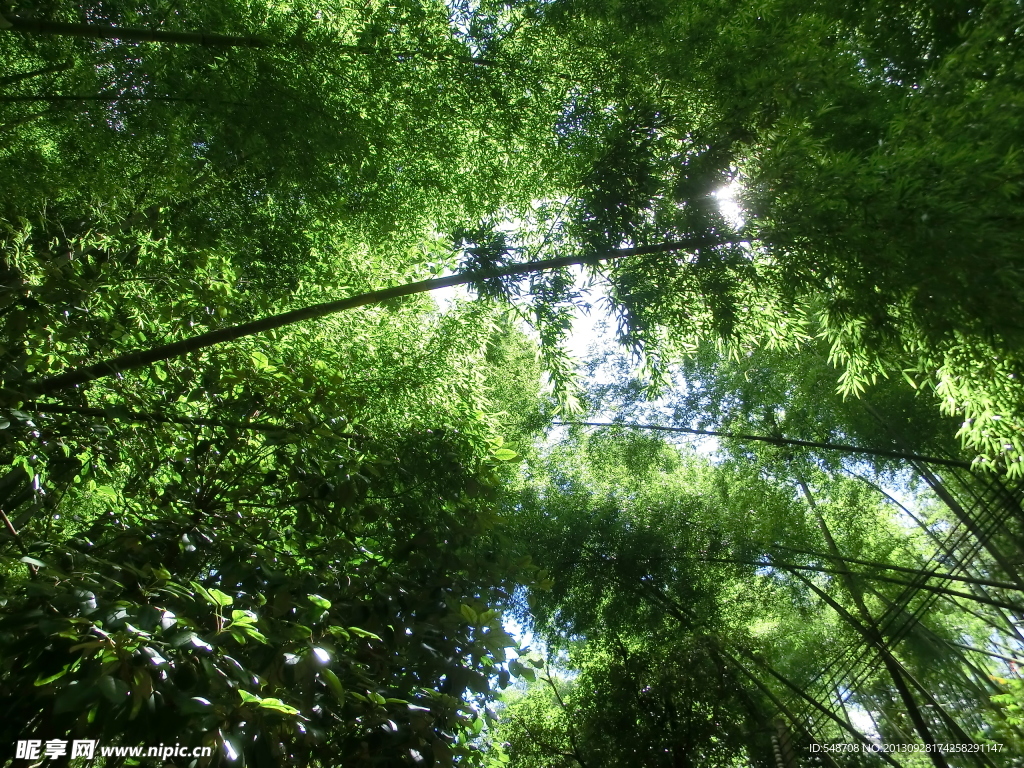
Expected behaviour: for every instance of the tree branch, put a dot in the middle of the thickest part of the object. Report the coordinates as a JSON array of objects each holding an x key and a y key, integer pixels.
[
  {"x": 202, "y": 341},
  {"x": 776, "y": 441},
  {"x": 107, "y": 32}
]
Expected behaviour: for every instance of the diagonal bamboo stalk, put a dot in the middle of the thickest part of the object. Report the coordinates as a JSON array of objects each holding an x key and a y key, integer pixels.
[
  {"x": 146, "y": 357},
  {"x": 775, "y": 441}
]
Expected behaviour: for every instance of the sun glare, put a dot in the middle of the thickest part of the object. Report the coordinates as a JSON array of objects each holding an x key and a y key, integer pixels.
[{"x": 728, "y": 204}]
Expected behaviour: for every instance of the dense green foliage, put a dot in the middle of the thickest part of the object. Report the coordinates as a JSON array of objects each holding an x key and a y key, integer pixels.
[{"x": 262, "y": 493}]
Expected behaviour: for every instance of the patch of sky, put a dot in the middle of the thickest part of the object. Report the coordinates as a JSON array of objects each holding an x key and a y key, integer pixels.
[
  {"x": 460, "y": 19},
  {"x": 765, "y": 570},
  {"x": 592, "y": 340},
  {"x": 859, "y": 717},
  {"x": 447, "y": 298},
  {"x": 472, "y": 26},
  {"x": 523, "y": 634}
]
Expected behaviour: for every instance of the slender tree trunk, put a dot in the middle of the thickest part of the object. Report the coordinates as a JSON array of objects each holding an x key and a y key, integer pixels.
[
  {"x": 167, "y": 37},
  {"x": 951, "y": 723},
  {"x": 774, "y": 441},
  {"x": 949, "y": 550},
  {"x": 860, "y": 737},
  {"x": 846, "y": 574},
  {"x": 842, "y": 704},
  {"x": 871, "y": 634},
  {"x": 1006, "y": 628},
  {"x": 107, "y": 32},
  {"x": 1010, "y": 659},
  {"x": 111, "y": 97},
  {"x": 787, "y": 759},
  {"x": 50, "y": 70},
  {"x": 971, "y": 524},
  {"x": 893, "y": 667},
  {"x": 913, "y": 571},
  {"x": 570, "y": 728},
  {"x": 1014, "y": 504},
  {"x": 770, "y": 695},
  {"x": 985, "y": 687},
  {"x": 123, "y": 414},
  {"x": 940, "y": 489},
  {"x": 679, "y": 613},
  {"x": 918, "y": 521},
  {"x": 900, "y": 676},
  {"x": 1009, "y": 498},
  {"x": 212, "y": 338}
]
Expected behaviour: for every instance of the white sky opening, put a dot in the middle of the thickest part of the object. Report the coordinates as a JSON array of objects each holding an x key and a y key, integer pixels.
[{"x": 728, "y": 203}]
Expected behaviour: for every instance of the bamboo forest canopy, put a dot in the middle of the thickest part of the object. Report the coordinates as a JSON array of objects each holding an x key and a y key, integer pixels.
[{"x": 261, "y": 491}]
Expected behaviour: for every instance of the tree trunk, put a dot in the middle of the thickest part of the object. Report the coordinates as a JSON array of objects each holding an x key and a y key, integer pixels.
[
  {"x": 863, "y": 740},
  {"x": 775, "y": 441},
  {"x": 167, "y": 37},
  {"x": 212, "y": 338},
  {"x": 678, "y": 612},
  {"x": 786, "y": 758},
  {"x": 940, "y": 489},
  {"x": 106, "y": 32},
  {"x": 913, "y": 571},
  {"x": 870, "y": 633},
  {"x": 894, "y": 668},
  {"x": 949, "y": 550},
  {"x": 123, "y": 414},
  {"x": 111, "y": 97},
  {"x": 53, "y": 69},
  {"x": 846, "y": 574},
  {"x": 971, "y": 524}
]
